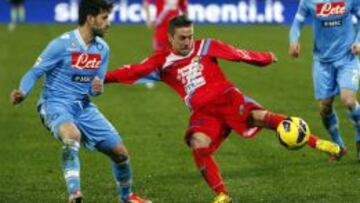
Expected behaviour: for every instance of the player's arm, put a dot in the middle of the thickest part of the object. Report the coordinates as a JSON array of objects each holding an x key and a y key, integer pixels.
[
  {"x": 356, "y": 12},
  {"x": 146, "y": 7},
  {"x": 135, "y": 73},
  {"x": 295, "y": 30},
  {"x": 46, "y": 61},
  {"x": 218, "y": 49}
]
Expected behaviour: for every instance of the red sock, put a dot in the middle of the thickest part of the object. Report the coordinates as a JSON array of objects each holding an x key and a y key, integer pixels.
[
  {"x": 209, "y": 170},
  {"x": 312, "y": 141},
  {"x": 272, "y": 120}
]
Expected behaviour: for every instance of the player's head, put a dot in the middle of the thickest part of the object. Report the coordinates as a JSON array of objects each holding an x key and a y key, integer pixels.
[
  {"x": 180, "y": 32},
  {"x": 95, "y": 14}
]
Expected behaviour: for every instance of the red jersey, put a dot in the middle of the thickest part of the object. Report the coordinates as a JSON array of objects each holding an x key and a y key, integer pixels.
[{"x": 197, "y": 77}]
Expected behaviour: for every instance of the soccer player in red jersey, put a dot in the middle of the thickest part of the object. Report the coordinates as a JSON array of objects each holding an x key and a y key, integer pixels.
[{"x": 191, "y": 69}]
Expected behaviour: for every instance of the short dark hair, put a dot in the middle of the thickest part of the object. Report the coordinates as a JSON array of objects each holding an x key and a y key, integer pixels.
[
  {"x": 177, "y": 22},
  {"x": 92, "y": 7}
]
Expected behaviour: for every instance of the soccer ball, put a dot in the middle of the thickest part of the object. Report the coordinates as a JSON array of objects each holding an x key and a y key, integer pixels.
[{"x": 293, "y": 133}]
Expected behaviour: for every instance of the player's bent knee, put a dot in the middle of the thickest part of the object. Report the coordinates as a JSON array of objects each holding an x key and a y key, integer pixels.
[
  {"x": 69, "y": 131},
  {"x": 119, "y": 154},
  {"x": 199, "y": 140},
  {"x": 349, "y": 101}
]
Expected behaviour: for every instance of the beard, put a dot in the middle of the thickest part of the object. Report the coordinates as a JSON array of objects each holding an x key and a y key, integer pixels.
[{"x": 97, "y": 32}]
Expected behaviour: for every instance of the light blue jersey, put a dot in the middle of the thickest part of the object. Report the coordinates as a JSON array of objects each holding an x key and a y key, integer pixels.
[
  {"x": 69, "y": 67},
  {"x": 333, "y": 27}
]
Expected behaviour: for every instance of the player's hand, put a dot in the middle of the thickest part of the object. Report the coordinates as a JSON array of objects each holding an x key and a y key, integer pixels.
[
  {"x": 273, "y": 57},
  {"x": 294, "y": 50},
  {"x": 355, "y": 48},
  {"x": 16, "y": 96},
  {"x": 97, "y": 85}
]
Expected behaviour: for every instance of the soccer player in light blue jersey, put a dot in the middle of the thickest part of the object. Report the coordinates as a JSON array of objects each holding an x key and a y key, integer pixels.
[
  {"x": 335, "y": 61},
  {"x": 74, "y": 66}
]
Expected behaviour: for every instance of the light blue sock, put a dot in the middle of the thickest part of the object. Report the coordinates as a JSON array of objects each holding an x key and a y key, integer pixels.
[
  {"x": 71, "y": 165},
  {"x": 123, "y": 176},
  {"x": 355, "y": 118},
  {"x": 331, "y": 123}
]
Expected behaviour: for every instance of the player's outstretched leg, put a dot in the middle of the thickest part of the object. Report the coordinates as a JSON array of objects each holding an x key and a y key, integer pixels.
[{"x": 271, "y": 121}]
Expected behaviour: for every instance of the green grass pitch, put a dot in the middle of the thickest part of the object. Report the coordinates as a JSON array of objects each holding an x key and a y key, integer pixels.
[{"x": 152, "y": 123}]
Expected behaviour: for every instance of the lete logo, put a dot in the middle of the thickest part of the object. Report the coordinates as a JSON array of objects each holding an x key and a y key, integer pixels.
[
  {"x": 85, "y": 61},
  {"x": 330, "y": 9}
]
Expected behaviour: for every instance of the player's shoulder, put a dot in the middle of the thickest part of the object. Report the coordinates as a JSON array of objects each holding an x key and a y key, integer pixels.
[
  {"x": 61, "y": 41},
  {"x": 205, "y": 43},
  {"x": 102, "y": 42},
  {"x": 64, "y": 37}
]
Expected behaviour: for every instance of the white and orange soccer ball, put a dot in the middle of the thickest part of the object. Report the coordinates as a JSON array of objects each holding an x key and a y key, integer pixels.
[{"x": 293, "y": 133}]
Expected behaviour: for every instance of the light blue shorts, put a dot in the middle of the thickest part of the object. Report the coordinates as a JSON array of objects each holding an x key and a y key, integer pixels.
[
  {"x": 331, "y": 77},
  {"x": 96, "y": 131}
]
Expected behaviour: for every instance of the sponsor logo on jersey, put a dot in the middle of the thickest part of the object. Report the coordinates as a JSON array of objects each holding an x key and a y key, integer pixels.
[
  {"x": 332, "y": 23},
  {"x": 330, "y": 9},
  {"x": 82, "y": 78},
  {"x": 191, "y": 75},
  {"x": 85, "y": 61}
]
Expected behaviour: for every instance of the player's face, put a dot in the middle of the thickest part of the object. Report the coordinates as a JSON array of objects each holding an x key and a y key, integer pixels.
[
  {"x": 100, "y": 24},
  {"x": 182, "y": 40}
]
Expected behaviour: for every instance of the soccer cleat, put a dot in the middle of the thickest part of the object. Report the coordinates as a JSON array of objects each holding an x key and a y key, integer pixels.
[
  {"x": 222, "y": 198},
  {"x": 337, "y": 157},
  {"x": 133, "y": 198},
  {"x": 329, "y": 147},
  {"x": 76, "y": 197}
]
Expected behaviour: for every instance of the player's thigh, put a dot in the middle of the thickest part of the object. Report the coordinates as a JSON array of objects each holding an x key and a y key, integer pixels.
[
  {"x": 324, "y": 79},
  {"x": 204, "y": 130},
  {"x": 348, "y": 74},
  {"x": 58, "y": 119},
  {"x": 97, "y": 132}
]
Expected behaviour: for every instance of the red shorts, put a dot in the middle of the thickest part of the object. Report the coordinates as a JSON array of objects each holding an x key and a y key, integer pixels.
[{"x": 217, "y": 118}]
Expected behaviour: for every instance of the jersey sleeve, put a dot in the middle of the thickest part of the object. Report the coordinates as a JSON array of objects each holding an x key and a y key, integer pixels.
[
  {"x": 356, "y": 13},
  {"x": 45, "y": 62},
  {"x": 218, "y": 49},
  {"x": 135, "y": 73},
  {"x": 298, "y": 23}
]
